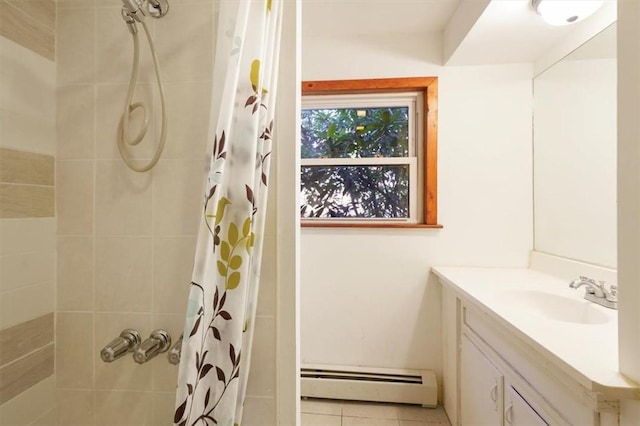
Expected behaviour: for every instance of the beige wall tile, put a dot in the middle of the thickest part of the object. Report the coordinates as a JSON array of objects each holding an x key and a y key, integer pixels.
[
  {"x": 26, "y": 167},
  {"x": 43, "y": 11},
  {"x": 259, "y": 411},
  {"x": 26, "y": 31},
  {"x": 178, "y": 63},
  {"x": 74, "y": 350},
  {"x": 267, "y": 291},
  {"x": 30, "y": 97},
  {"x": 74, "y": 200},
  {"x": 75, "y": 274},
  {"x": 172, "y": 269},
  {"x": 270, "y": 226},
  {"x": 76, "y": 122},
  {"x": 262, "y": 376},
  {"x": 75, "y": 46},
  {"x": 123, "y": 408},
  {"x": 110, "y": 107},
  {"x": 34, "y": 96},
  {"x": 27, "y": 303},
  {"x": 21, "y": 270},
  {"x": 114, "y": 49},
  {"x": 123, "y": 373},
  {"x": 27, "y": 407},
  {"x": 22, "y": 374},
  {"x": 47, "y": 419},
  {"x": 163, "y": 408},
  {"x": 22, "y": 201},
  {"x": 178, "y": 193},
  {"x": 189, "y": 115},
  {"x": 21, "y": 339},
  {"x": 123, "y": 274},
  {"x": 75, "y": 407},
  {"x": 27, "y": 133},
  {"x": 66, "y": 4},
  {"x": 123, "y": 203},
  {"x": 27, "y": 235}
]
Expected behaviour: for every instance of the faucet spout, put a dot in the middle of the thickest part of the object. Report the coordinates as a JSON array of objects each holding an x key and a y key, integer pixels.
[
  {"x": 597, "y": 289},
  {"x": 597, "y": 292}
]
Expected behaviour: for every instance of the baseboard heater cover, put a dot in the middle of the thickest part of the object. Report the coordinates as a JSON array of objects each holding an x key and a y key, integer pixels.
[{"x": 369, "y": 384}]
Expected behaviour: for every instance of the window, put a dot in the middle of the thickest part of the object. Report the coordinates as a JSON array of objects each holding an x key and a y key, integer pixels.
[{"x": 369, "y": 152}]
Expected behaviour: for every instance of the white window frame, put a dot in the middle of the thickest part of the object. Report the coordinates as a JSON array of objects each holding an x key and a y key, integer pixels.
[{"x": 411, "y": 99}]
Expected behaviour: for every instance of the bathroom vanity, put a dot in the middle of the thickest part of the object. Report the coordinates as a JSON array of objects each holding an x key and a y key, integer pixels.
[{"x": 522, "y": 348}]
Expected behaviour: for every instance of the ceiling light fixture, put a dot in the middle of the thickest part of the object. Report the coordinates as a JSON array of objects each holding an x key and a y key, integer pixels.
[{"x": 565, "y": 12}]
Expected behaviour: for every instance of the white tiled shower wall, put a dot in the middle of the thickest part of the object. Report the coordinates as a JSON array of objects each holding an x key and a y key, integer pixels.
[{"x": 126, "y": 240}]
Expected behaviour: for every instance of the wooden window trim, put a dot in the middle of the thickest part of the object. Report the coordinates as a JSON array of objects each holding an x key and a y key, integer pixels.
[{"x": 429, "y": 88}]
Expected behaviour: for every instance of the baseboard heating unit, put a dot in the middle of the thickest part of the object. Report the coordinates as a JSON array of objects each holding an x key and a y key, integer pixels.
[{"x": 369, "y": 384}]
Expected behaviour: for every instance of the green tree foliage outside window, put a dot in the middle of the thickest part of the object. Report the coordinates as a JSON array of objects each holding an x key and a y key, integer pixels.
[{"x": 366, "y": 189}]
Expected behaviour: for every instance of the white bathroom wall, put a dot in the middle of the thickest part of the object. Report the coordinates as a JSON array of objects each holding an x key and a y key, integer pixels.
[
  {"x": 575, "y": 160},
  {"x": 366, "y": 295}
]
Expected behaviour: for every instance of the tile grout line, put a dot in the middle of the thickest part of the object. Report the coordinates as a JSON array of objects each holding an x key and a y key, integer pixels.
[{"x": 93, "y": 208}]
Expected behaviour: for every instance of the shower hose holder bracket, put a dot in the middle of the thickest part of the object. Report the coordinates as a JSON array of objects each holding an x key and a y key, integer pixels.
[{"x": 157, "y": 8}]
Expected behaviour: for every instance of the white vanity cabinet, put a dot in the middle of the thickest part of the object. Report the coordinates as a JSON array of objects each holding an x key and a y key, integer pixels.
[
  {"x": 504, "y": 383},
  {"x": 505, "y": 367},
  {"x": 486, "y": 398},
  {"x": 481, "y": 395},
  {"x": 518, "y": 412}
]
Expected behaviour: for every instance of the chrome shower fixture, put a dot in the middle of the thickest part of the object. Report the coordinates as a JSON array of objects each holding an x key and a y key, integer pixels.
[
  {"x": 128, "y": 341},
  {"x": 174, "y": 353},
  {"x": 132, "y": 11},
  {"x": 159, "y": 341}
]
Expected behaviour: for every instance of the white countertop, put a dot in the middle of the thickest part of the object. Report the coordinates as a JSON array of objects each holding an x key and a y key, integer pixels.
[{"x": 587, "y": 352}]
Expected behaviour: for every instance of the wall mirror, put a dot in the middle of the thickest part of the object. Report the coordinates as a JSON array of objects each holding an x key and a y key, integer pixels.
[{"x": 574, "y": 151}]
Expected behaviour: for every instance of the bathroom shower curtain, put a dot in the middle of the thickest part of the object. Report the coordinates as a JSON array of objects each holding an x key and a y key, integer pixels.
[{"x": 222, "y": 300}]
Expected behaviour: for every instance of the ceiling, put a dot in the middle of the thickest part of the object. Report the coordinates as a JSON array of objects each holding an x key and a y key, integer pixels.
[
  {"x": 475, "y": 31},
  {"x": 375, "y": 17}
]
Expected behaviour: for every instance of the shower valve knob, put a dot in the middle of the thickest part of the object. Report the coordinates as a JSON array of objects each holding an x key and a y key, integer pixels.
[
  {"x": 159, "y": 341},
  {"x": 128, "y": 341},
  {"x": 174, "y": 353}
]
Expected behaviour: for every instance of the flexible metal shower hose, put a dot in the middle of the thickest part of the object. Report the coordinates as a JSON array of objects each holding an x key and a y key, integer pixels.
[{"x": 124, "y": 139}]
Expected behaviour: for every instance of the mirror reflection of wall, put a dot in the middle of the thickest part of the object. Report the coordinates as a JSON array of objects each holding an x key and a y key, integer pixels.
[{"x": 575, "y": 154}]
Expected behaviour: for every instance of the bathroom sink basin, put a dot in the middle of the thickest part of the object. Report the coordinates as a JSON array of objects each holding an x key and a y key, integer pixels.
[{"x": 554, "y": 307}]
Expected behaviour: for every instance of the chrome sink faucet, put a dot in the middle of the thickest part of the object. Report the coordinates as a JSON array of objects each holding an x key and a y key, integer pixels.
[{"x": 598, "y": 292}]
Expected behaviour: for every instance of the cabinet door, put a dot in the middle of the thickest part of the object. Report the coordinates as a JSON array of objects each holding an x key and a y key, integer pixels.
[
  {"x": 518, "y": 412},
  {"x": 481, "y": 388}
]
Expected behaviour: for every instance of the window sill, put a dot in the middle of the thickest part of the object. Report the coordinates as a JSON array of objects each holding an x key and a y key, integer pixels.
[{"x": 305, "y": 224}]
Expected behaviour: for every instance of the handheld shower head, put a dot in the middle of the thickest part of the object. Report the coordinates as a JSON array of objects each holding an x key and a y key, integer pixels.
[
  {"x": 132, "y": 12},
  {"x": 133, "y": 7}
]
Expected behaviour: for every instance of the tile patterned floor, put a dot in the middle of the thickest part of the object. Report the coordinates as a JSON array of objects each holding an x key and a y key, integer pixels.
[{"x": 328, "y": 412}]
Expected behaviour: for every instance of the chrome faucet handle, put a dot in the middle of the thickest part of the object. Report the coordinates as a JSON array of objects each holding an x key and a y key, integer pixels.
[
  {"x": 174, "y": 353},
  {"x": 128, "y": 341},
  {"x": 593, "y": 288},
  {"x": 159, "y": 341},
  {"x": 612, "y": 294}
]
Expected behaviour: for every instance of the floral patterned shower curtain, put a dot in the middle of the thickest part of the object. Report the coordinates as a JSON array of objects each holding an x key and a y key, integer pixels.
[{"x": 223, "y": 294}]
